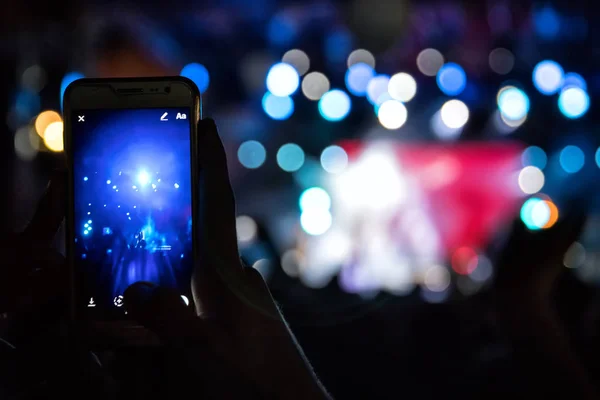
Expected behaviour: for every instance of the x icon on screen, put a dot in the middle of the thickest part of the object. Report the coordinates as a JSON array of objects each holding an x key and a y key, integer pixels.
[{"x": 81, "y": 118}]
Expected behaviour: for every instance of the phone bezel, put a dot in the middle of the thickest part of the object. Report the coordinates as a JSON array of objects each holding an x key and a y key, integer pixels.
[{"x": 123, "y": 93}]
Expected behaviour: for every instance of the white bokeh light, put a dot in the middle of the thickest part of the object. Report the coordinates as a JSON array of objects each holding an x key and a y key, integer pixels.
[
  {"x": 316, "y": 221},
  {"x": 315, "y": 85},
  {"x": 282, "y": 79},
  {"x": 297, "y": 59},
  {"x": 454, "y": 114},
  {"x": 531, "y": 180},
  {"x": 402, "y": 87},
  {"x": 246, "y": 228},
  {"x": 429, "y": 61},
  {"x": 361, "y": 56},
  {"x": 392, "y": 114}
]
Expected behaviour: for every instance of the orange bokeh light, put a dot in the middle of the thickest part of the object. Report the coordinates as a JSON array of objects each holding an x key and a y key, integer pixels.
[{"x": 553, "y": 214}]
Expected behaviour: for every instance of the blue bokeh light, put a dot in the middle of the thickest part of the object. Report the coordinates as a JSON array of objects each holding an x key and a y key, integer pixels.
[
  {"x": 451, "y": 79},
  {"x": 282, "y": 30},
  {"x": 358, "y": 77},
  {"x": 377, "y": 87},
  {"x": 548, "y": 77},
  {"x": 338, "y": 45},
  {"x": 335, "y": 105},
  {"x": 572, "y": 159},
  {"x": 598, "y": 157},
  {"x": 573, "y": 79},
  {"x": 573, "y": 102},
  {"x": 27, "y": 104},
  {"x": 546, "y": 22},
  {"x": 513, "y": 103},
  {"x": 282, "y": 79},
  {"x": 69, "y": 78},
  {"x": 528, "y": 213},
  {"x": 252, "y": 154},
  {"x": 276, "y": 107},
  {"x": 534, "y": 156},
  {"x": 290, "y": 157},
  {"x": 198, "y": 74}
]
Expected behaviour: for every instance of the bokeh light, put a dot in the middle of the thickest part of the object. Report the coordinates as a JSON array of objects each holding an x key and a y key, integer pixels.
[
  {"x": 454, "y": 114},
  {"x": 358, "y": 77},
  {"x": 26, "y": 143},
  {"x": 548, "y": 77},
  {"x": 334, "y": 159},
  {"x": 539, "y": 213},
  {"x": 597, "y": 157},
  {"x": 44, "y": 119},
  {"x": 436, "y": 278},
  {"x": 392, "y": 114},
  {"x": 282, "y": 80},
  {"x": 464, "y": 260},
  {"x": 316, "y": 221},
  {"x": 441, "y": 130},
  {"x": 315, "y": 85},
  {"x": 252, "y": 154},
  {"x": 534, "y": 156},
  {"x": 531, "y": 180},
  {"x": 278, "y": 107},
  {"x": 290, "y": 157},
  {"x": 69, "y": 78},
  {"x": 246, "y": 229},
  {"x": 573, "y": 79},
  {"x": 361, "y": 56},
  {"x": 451, "y": 79},
  {"x": 513, "y": 103},
  {"x": 334, "y": 105},
  {"x": 429, "y": 62},
  {"x": 314, "y": 198},
  {"x": 297, "y": 59},
  {"x": 53, "y": 136},
  {"x": 573, "y": 102},
  {"x": 377, "y": 87},
  {"x": 402, "y": 87},
  {"x": 575, "y": 256},
  {"x": 198, "y": 74},
  {"x": 572, "y": 159},
  {"x": 501, "y": 61}
]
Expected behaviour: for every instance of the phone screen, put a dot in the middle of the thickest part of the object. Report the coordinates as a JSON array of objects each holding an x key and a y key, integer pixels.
[{"x": 133, "y": 203}]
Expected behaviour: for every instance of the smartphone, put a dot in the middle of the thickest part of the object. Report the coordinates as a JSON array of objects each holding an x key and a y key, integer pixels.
[{"x": 131, "y": 147}]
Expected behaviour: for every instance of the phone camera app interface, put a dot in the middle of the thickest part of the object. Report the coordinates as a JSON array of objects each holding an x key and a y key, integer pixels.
[{"x": 133, "y": 202}]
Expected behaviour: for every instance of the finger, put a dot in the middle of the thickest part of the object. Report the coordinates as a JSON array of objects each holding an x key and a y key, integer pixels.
[
  {"x": 217, "y": 202},
  {"x": 50, "y": 211}
]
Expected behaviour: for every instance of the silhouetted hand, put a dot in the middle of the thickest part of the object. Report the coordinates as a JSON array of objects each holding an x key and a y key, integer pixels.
[
  {"x": 235, "y": 343},
  {"x": 526, "y": 272},
  {"x": 33, "y": 277}
]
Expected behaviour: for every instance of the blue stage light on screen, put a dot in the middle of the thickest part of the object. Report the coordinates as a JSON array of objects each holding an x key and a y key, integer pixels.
[
  {"x": 548, "y": 77},
  {"x": 85, "y": 178},
  {"x": 573, "y": 79},
  {"x": 276, "y": 107},
  {"x": 358, "y": 77},
  {"x": 572, "y": 159},
  {"x": 176, "y": 185},
  {"x": 290, "y": 157},
  {"x": 451, "y": 79},
  {"x": 69, "y": 78},
  {"x": 573, "y": 102},
  {"x": 335, "y": 105},
  {"x": 198, "y": 74},
  {"x": 282, "y": 79},
  {"x": 513, "y": 103},
  {"x": 143, "y": 178},
  {"x": 252, "y": 154},
  {"x": 534, "y": 156}
]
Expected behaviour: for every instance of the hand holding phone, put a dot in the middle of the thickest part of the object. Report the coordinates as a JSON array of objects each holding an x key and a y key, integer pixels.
[{"x": 131, "y": 216}]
